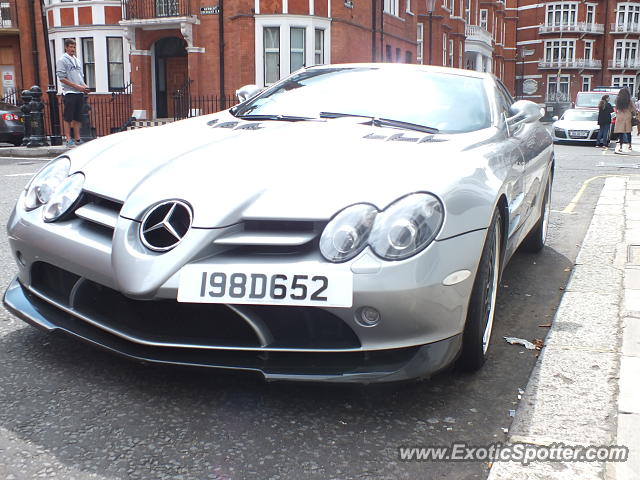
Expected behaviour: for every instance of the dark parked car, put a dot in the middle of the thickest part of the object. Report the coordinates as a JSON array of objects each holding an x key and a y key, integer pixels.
[{"x": 11, "y": 124}]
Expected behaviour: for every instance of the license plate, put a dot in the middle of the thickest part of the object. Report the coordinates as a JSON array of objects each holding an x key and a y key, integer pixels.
[
  {"x": 578, "y": 133},
  {"x": 266, "y": 285}
]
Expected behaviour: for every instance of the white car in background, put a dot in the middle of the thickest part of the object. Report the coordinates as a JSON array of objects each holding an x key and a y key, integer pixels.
[{"x": 576, "y": 125}]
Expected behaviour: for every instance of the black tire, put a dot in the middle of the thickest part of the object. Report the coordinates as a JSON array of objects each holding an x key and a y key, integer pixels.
[
  {"x": 535, "y": 240},
  {"x": 481, "y": 311}
]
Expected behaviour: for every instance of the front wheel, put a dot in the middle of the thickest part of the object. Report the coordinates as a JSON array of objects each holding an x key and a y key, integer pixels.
[{"x": 481, "y": 312}]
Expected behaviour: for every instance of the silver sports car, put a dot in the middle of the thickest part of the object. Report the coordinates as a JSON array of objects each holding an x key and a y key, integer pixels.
[{"x": 348, "y": 223}]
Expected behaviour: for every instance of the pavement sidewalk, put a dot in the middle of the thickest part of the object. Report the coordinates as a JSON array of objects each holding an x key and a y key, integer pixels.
[{"x": 585, "y": 388}]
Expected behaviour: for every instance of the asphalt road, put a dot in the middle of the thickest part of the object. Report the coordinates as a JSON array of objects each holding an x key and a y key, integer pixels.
[{"x": 68, "y": 411}]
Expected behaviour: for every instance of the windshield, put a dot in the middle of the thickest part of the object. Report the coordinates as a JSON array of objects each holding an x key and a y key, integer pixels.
[
  {"x": 450, "y": 103},
  {"x": 581, "y": 116},
  {"x": 593, "y": 99}
]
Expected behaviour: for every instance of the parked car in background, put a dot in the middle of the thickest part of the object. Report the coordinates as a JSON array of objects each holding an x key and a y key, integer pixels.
[
  {"x": 592, "y": 99},
  {"x": 576, "y": 125},
  {"x": 321, "y": 230},
  {"x": 11, "y": 124}
]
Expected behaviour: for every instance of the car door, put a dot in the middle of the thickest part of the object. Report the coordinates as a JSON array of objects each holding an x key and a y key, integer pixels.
[
  {"x": 512, "y": 154},
  {"x": 533, "y": 142}
]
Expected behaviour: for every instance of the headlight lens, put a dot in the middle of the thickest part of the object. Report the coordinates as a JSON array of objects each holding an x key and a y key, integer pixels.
[
  {"x": 41, "y": 188},
  {"x": 64, "y": 196},
  {"x": 346, "y": 235},
  {"x": 406, "y": 226}
]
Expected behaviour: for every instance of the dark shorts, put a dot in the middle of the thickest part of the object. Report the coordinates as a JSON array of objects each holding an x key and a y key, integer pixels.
[{"x": 73, "y": 103}]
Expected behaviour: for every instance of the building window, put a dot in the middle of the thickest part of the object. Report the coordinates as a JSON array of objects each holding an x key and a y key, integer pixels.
[
  {"x": 586, "y": 84},
  {"x": 296, "y": 51},
  {"x": 558, "y": 88},
  {"x": 388, "y": 53},
  {"x": 408, "y": 57},
  {"x": 398, "y": 54},
  {"x": 452, "y": 7},
  {"x": 271, "y": 55},
  {"x": 391, "y": 6},
  {"x": 88, "y": 63},
  {"x": 166, "y": 8},
  {"x": 624, "y": 81},
  {"x": 407, "y": 8},
  {"x": 444, "y": 49},
  {"x": 460, "y": 55},
  {"x": 628, "y": 14},
  {"x": 420, "y": 47},
  {"x": 559, "y": 50},
  {"x": 484, "y": 18},
  {"x": 591, "y": 14},
  {"x": 115, "y": 63},
  {"x": 451, "y": 53},
  {"x": 562, "y": 14},
  {"x": 626, "y": 53},
  {"x": 588, "y": 49},
  {"x": 467, "y": 11},
  {"x": 318, "y": 53}
]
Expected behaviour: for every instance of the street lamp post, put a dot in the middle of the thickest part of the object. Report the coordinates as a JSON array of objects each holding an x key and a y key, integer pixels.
[{"x": 430, "y": 6}]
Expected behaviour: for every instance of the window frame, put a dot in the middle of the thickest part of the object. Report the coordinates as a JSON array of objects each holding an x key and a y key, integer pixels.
[
  {"x": 86, "y": 63},
  {"x": 109, "y": 63}
]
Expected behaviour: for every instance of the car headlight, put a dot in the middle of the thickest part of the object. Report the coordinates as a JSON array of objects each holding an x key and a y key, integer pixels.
[
  {"x": 42, "y": 186},
  {"x": 406, "y": 226},
  {"x": 345, "y": 236},
  {"x": 63, "y": 197}
]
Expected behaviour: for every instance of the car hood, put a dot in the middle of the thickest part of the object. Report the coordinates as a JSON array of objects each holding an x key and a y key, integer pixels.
[
  {"x": 230, "y": 170},
  {"x": 575, "y": 125}
]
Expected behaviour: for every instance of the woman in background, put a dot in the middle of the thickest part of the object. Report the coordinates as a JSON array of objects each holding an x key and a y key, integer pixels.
[
  {"x": 625, "y": 111},
  {"x": 604, "y": 121}
]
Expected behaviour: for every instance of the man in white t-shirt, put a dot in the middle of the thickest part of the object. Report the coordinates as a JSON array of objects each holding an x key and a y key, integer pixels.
[{"x": 70, "y": 74}]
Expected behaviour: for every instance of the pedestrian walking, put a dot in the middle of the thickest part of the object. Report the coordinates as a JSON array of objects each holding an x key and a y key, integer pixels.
[
  {"x": 604, "y": 121},
  {"x": 625, "y": 113},
  {"x": 70, "y": 74}
]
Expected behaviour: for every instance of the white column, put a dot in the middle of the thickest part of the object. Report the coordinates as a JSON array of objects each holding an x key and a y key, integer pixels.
[
  {"x": 489, "y": 64},
  {"x": 479, "y": 62}
]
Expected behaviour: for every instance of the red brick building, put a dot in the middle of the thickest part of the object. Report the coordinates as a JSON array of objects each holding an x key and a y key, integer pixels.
[
  {"x": 215, "y": 46},
  {"x": 569, "y": 46}
]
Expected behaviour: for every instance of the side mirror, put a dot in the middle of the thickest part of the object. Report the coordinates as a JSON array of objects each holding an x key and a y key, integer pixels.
[
  {"x": 524, "y": 111},
  {"x": 246, "y": 92},
  {"x": 554, "y": 118}
]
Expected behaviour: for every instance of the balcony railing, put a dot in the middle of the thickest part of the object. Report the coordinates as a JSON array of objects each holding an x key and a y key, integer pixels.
[
  {"x": 7, "y": 15},
  {"x": 478, "y": 33},
  {"x": 580, "y": 27},
  {"x": 625, "y": 28},
  {"x": 148, "y": 9},
  {"x": 632, "y": 63},
  {"x": 576, "y": 63}
]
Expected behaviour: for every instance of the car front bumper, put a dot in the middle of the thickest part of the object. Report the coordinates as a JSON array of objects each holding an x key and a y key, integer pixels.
[{"x": 67, "y": 283}]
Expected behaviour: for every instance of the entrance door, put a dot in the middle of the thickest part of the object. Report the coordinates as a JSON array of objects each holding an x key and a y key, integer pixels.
[
  {"x": 176, "y": 68},
  {"x": 171, "y": 73}
]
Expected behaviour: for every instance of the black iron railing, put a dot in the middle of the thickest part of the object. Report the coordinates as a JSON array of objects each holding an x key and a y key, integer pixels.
[
  {"x": 187, "y": 105},
  {"x": 145, "y": 9},
  {"x": 109, "y": 114},
  {"x": 11, "y": 96}
]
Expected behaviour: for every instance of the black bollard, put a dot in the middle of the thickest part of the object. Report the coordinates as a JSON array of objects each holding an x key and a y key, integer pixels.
[
  {"x": 37, "y": 138},
  {"x": 86, "y": 131},
  {"x": 25, "y": 97},
  {"x": 54, "y": 115}
]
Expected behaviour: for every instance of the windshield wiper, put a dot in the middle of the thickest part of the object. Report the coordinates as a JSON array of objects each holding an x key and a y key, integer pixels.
[
  {"x": 383, "y": 122},
  {"x": 282, "y": 118}
]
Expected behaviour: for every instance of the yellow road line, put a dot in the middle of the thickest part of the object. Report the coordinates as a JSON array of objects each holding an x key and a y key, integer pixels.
[{"x": 574, "y": 201}]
